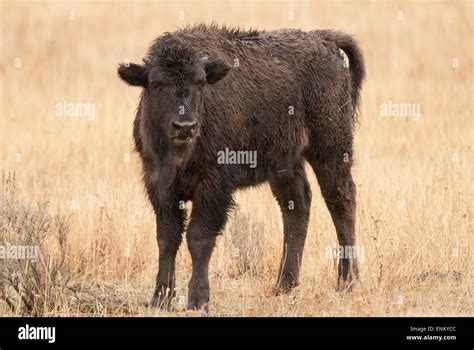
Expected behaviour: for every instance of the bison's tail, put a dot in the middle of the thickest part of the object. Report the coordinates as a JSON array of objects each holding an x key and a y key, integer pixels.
[{"x": 351, "y": 48}]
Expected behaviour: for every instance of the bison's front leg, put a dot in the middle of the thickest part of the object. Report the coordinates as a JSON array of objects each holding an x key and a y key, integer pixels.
[
  {"x": 169, "y": 227},
  {"x": 207, "y": 220},
  {"x": 293, "y": 193}
]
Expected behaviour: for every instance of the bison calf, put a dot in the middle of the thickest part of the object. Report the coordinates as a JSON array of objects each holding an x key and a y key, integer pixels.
[{"x": 285, "y": 95}]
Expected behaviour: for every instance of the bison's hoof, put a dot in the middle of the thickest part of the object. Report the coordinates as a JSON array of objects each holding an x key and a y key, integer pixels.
[
  {"x": 199, "y": 304},
  {"x": 201, "y": 307},
  {"x": 348, "y": 275},
  {"x": 198, "y": 296}
]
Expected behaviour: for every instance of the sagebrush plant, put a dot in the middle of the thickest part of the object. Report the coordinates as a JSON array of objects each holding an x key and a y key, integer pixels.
[
  {"x": 48, "y": 284},
  {"x": 32, "y": 286}
]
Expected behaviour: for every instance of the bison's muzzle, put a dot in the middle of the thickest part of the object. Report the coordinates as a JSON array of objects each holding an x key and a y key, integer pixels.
[{"x": 184, "y": 131}]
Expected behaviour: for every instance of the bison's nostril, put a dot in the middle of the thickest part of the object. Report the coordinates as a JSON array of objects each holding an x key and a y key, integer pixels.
[{"x": 184, "y": 125}]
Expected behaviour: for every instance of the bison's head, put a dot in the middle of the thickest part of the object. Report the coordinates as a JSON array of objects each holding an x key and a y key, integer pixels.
[{"x": 174, "y": 79}]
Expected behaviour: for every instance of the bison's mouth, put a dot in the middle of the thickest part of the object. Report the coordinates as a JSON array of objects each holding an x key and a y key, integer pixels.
[{"x": 182, "y": 141}]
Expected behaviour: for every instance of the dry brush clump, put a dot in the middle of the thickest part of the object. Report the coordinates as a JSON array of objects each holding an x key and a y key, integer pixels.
[{"x": 35, "y": 273}]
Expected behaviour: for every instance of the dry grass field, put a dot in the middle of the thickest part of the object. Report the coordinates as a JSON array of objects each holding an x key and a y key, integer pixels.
[{"x": 413, "y": 173}]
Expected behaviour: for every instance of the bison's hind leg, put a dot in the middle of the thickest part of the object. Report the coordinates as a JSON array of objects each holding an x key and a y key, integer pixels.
[
  {"x": 293, "y": 194},
  {"x": 333, "y": 172}
]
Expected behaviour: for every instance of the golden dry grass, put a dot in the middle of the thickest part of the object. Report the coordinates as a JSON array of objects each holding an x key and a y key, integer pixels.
[{"x": 414, "y": 177}]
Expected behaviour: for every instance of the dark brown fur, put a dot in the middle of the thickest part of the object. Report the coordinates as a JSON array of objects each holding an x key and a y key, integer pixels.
[{"x": 247, "y": 110}]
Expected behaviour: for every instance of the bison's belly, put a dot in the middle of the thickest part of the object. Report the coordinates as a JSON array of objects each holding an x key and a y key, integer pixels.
[{"x": 265, "y": 169}]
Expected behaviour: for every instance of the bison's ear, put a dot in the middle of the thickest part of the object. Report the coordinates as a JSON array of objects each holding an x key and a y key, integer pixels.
[
  {"x": 216, "y": 69},
  {"x": 133, "y": 74}
]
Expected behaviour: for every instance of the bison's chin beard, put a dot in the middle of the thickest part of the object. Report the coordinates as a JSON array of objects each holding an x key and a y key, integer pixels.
[{"x": 181, "y": 148}]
